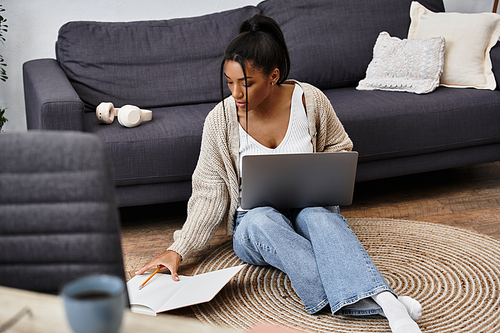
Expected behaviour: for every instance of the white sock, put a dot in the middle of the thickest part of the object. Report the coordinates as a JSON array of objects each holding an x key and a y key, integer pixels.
[
  {"x": 413, "y": 307},
  {"x": 396, "y": 313}
]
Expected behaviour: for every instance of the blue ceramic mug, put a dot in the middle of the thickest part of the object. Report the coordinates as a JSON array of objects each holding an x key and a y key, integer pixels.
[{"x": 95, "y": 303}]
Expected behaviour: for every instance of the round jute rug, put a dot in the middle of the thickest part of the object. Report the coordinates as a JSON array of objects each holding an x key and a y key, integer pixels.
[{"x": 453, "y": 273}]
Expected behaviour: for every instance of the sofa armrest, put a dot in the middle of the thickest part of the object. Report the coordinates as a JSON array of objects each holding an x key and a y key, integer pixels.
[{"x": 51, "y": 101}]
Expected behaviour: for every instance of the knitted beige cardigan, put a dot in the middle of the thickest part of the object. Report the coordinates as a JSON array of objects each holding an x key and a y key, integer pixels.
[{"x": 215, "y": 181}]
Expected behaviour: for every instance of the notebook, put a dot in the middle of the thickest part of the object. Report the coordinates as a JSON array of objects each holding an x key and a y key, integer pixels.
[
  {"x": 298, "y": 180},
  {"x": 162, "y": 293}
]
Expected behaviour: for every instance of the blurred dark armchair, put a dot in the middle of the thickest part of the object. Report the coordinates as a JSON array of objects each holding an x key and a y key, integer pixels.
[{"x": 58, "y": 213}]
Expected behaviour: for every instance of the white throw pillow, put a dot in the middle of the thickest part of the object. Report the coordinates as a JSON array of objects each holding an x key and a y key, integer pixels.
[
  {"x": 410, "y": 65},
  {"x": 469, "y": 39}
]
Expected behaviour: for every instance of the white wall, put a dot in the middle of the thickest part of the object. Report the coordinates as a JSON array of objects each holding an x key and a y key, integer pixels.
[
  {"x": 469, "y": 6},
  {"x": 33, "y": 27}
]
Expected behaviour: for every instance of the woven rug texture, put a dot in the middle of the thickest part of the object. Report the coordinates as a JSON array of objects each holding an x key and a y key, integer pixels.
[{"x": 453, "y": 273}]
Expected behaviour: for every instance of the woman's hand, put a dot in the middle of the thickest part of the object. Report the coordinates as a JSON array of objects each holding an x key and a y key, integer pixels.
[{"x": 169, "y": 259}]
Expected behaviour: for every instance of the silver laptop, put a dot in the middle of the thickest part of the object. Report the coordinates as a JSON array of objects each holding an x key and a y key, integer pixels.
[{"x": 298, "y": 180}]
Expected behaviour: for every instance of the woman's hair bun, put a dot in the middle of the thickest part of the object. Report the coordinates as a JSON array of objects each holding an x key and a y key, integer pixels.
[{"x": 261, "y": 23}]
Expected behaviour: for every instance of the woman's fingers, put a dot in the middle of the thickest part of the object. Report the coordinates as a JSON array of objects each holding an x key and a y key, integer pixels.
[
  {"x": 169, "y": 259},
  {"x": 173, "y": 270},
  {"x": 145, "y": 268}
]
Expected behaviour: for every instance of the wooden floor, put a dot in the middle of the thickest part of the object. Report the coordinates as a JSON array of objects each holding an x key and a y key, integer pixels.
[{"x": 466, "y": 197}]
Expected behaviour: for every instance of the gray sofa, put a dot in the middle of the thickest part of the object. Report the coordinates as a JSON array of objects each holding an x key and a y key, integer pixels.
[{"x": 172, "y": 67}]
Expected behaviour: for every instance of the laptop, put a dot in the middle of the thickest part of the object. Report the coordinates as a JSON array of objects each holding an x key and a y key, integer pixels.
[{"x": 298, "y": 180}]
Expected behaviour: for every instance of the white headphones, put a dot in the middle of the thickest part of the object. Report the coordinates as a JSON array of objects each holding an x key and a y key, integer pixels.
[{"x": 128, "y": 115}]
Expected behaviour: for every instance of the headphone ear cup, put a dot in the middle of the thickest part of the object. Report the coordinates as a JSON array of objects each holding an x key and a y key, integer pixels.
[
  {"x": 129, "y": 116},
  {"x": 105, "y": 113},
  {"x": 146, "y": 115}
]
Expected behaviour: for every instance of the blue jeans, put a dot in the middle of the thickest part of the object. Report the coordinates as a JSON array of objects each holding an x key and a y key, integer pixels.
[{"x": 321, "y": 255}]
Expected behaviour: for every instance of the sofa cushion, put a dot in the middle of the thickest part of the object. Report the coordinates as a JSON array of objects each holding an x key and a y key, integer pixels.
[
  {"x": 337, "y": 36},
  {"x": 409, "y": 65},
  {"x": 469, "y": 39},
  {"x": 148, "y": 63},
  {"x": 165, "y": 149},
  {"x": 394, "y": 124}
]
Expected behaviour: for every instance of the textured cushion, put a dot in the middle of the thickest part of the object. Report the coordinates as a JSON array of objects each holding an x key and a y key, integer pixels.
[
  {"x": 165, "y": 149},
  {"x": 385, "y": 124},
  {"x": 331, "y": 41},
  {"x": 469, "y": 39},
  {"x": 149, "y": 63},
  {"x": 411, "y": 65}
]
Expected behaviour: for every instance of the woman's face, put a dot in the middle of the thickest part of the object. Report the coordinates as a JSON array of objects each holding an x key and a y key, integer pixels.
[{"x": 258, "y": 85}]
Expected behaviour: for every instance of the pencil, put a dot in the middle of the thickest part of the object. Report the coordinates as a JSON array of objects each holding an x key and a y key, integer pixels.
[{"x": 149, "y": 278}]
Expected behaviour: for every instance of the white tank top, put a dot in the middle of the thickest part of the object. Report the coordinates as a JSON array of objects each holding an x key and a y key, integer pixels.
[{"x": 297, "y": 138}]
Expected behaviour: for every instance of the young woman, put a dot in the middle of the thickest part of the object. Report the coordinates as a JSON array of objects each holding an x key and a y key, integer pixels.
[{"x": 267, "y": 114}]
